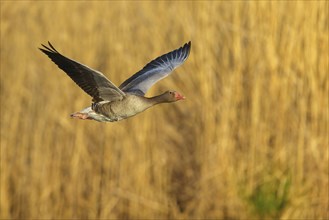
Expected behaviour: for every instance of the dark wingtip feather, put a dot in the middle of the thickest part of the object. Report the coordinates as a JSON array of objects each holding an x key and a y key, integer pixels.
[
  {"x": 52, "y": 47},
  {"x": 188, "y": 44},
  {"x": 187, "y": 48},
  {"x": 48, "y": 49},
  {"x": 43, "y": 50}
]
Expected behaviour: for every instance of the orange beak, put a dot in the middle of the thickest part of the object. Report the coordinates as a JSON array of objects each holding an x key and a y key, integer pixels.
[{"x": 179, "y": 96}]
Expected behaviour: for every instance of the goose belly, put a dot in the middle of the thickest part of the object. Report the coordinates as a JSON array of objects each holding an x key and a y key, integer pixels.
[{"x": 118, "y": 110}]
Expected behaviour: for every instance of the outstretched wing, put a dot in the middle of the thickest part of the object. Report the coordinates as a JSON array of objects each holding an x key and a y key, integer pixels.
[
  {"x": 91, "y": 81},
  {"x": 156, "y": 70}
]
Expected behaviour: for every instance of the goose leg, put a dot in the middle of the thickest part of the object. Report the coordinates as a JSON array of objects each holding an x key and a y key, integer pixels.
[{"x": 80, "y": 115}]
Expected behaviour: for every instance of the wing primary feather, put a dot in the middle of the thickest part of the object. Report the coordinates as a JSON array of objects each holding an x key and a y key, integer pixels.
[
  {"x": 156, "y": 70},
  {"x": 52, "y": 47},
  {"x": 91, "y": 81}
]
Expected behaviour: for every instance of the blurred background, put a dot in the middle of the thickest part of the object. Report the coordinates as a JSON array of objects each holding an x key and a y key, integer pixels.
[{"x": 250, "y": 140}]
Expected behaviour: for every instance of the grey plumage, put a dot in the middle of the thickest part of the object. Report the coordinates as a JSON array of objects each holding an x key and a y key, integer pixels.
[
  {"x": 112, "y": 103},
  {"x": 156, "y": 70},
  {"x": 91, "y": 81}
]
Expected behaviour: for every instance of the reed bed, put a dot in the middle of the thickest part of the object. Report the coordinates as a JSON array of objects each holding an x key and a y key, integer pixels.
[{"x": 250, "y": 141}]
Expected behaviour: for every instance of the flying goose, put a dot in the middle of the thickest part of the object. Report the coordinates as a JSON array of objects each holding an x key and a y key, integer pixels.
[{"x": 111, "y": 103}]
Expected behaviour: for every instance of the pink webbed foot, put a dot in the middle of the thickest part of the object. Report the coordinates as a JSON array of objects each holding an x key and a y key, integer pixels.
[{"x": 80, "y": 115}]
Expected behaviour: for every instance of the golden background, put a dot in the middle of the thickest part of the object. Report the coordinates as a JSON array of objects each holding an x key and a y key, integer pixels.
[{"x": 250, "y": 140}]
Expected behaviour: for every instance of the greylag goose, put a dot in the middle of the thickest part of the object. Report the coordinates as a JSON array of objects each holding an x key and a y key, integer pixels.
[{"x": 111, "y": 103}]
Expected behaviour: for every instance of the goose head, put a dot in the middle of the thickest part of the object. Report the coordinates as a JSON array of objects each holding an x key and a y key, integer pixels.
[{"x": 171, "y": 96}]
